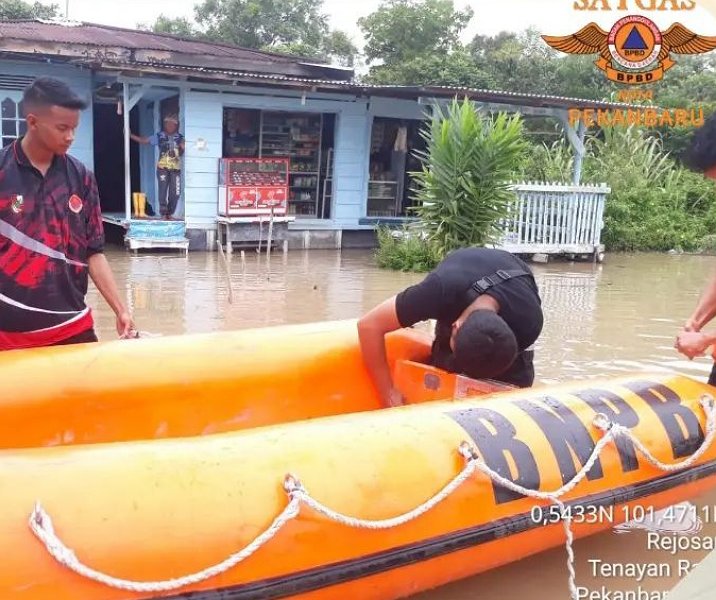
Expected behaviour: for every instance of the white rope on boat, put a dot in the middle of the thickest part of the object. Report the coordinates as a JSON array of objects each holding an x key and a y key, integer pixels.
[{"x": 42, "y": 526}]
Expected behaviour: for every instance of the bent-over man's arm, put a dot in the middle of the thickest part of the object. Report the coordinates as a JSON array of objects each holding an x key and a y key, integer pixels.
[
  {"x": 372, "y": 329},
  {"x": 417, "y": 303}
]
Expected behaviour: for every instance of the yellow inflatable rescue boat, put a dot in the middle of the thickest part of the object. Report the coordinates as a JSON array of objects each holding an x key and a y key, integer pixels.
[{"x": 259, "y": 464}]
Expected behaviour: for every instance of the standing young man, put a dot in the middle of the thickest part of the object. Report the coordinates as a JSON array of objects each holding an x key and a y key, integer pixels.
[
  {"x": 51, "y": 234},
  {"x": 488, "y": 312},
  {"x": 692, "y": 341},
  {"x": 171, "y": 149}
]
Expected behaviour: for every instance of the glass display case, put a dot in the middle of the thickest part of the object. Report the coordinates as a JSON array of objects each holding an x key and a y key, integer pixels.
[{"x": 253, "y": 186}]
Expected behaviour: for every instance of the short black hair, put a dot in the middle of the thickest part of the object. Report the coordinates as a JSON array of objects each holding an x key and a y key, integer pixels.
[
  {"x": 700, "y": 156},
  {"x": 45, "y": 92},
  {"x": 485, "y": 346}
]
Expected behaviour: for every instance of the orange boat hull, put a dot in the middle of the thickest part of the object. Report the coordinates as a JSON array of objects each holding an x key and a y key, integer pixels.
[{"x": 159, "y": 458}]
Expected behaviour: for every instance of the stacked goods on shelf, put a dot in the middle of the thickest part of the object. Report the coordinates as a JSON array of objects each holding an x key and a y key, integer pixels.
[
  {"x": 253, "y": 186},
  {"x": 298, "y": 138}
]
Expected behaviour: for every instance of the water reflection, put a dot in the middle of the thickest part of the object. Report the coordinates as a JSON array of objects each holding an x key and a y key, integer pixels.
[{"x": 604, "y": 319}]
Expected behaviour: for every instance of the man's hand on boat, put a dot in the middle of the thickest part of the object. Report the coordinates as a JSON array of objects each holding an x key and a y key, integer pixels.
[
  {"x": 394, "y": 398},
  {"x": 125, "y": 326},
  {"x": 695, "y": 343}
]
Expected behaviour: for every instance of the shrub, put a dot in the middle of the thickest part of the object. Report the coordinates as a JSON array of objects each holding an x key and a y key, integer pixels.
[{"x": 405, "y": 250}]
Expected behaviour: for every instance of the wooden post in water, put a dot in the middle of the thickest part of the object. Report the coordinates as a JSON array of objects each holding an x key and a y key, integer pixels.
[
  {"x": 228, "y": 271},
  {"x": 270, "y": 234}
]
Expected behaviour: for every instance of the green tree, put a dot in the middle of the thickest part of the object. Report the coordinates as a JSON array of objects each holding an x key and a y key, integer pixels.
[
  {"x": 578, "y": 77},
  {"x": 18, "y": 9},
  {"x": 457, "y": 69},
  {"x": 338, "y": 46},
  {"x": 417, "y": 39},
  {"x": 264, "y": 24},
  {"x": 296, "y": 27},
  {"x": 177, "y": 26},
  {"x": 335, "y": 46},
  {"x": 522, "y": 62},
  {"x": 503, "y": 58}
]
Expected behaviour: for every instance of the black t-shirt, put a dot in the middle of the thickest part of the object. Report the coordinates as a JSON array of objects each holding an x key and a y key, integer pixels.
[{"x": 443, "y": 295}]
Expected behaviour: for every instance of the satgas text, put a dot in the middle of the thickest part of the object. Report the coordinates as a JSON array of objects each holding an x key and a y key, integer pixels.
[{"x": 632, "y": 5}]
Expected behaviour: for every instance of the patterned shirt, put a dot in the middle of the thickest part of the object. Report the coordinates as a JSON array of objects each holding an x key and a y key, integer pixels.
[
  {"x": 169, "y": 151},
  {"x": 49, "y": 227}
]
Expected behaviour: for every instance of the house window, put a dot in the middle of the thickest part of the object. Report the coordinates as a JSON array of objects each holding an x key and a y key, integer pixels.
[{"x": 13, "y": 123}]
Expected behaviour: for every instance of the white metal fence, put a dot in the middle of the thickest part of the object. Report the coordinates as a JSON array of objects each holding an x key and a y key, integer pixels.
[{"x": 555, "y": 218}]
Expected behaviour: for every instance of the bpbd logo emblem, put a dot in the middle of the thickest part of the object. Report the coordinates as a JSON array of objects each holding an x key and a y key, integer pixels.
[{"x": 635, "y": 51}]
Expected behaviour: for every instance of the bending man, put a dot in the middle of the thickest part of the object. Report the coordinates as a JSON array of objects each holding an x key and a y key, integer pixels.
[{"x": 488, "y": 312}]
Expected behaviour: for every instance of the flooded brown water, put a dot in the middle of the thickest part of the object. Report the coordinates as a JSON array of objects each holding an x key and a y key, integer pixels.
[{"x": 600, "y": 320}]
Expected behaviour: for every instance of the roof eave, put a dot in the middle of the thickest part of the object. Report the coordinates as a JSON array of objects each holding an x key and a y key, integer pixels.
[
  {"x": 95, "y": 54},
  {"x": 406, "y": 92}
]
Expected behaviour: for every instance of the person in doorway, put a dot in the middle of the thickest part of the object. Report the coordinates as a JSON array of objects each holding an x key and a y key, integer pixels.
[
  {"x": 692, "y": 341},
  {"x": 488, "y": 312},
  {"x": 51, "y": 233},
  {"x": 171, "y": 149}
]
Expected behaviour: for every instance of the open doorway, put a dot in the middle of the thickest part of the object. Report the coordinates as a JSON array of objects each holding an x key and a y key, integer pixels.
[
  {"x": 109, "y": 158},
  {"x": 392, "y": 160}
]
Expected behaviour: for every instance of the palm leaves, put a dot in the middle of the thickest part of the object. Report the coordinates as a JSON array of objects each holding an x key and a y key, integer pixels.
[
  {"x": 637, "y": 156},
  {"x": 463, "y": 190}
]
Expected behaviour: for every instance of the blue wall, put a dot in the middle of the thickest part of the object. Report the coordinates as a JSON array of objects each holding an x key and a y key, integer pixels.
[
  {"x": 81, "y": 82},
  {"x": 352, "y": 157},
  {"x": 203, "y": 119},
  {"x": 203, "y": 113}
]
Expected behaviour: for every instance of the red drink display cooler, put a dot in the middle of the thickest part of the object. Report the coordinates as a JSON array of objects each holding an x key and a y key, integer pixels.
[{"x": 253, "y": 186}]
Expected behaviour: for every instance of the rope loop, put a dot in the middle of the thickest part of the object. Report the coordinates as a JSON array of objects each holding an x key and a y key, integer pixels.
[
  {"x": 602, "y": 422},
  {"x": 42, "y": 526}
]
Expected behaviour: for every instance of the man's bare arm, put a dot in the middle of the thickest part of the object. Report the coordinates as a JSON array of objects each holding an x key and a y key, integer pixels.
[
  {"x": 101, "y": 274},
  {"x": 139, "y": 138},
  {"x": 372, "y": 329},
  {"x": 705, "y": 310}
]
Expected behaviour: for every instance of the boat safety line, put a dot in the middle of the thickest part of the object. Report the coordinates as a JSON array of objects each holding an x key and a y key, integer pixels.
[
  {"x": 317, "y": 578},
  {"x": 41, "y": 523}
]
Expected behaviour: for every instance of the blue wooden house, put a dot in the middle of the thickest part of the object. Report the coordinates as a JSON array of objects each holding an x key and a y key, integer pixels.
[{"x": 349, "y": 145}]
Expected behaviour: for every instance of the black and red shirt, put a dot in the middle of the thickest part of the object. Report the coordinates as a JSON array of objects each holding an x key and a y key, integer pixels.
[{"x": 49, "y": 227}]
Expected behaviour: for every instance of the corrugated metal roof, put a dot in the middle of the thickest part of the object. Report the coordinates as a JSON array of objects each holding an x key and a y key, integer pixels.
[
  {"x": 537, "y": 100},
  {"x": 102, "y": 36},
  {"x": 89, "y": 34}
]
